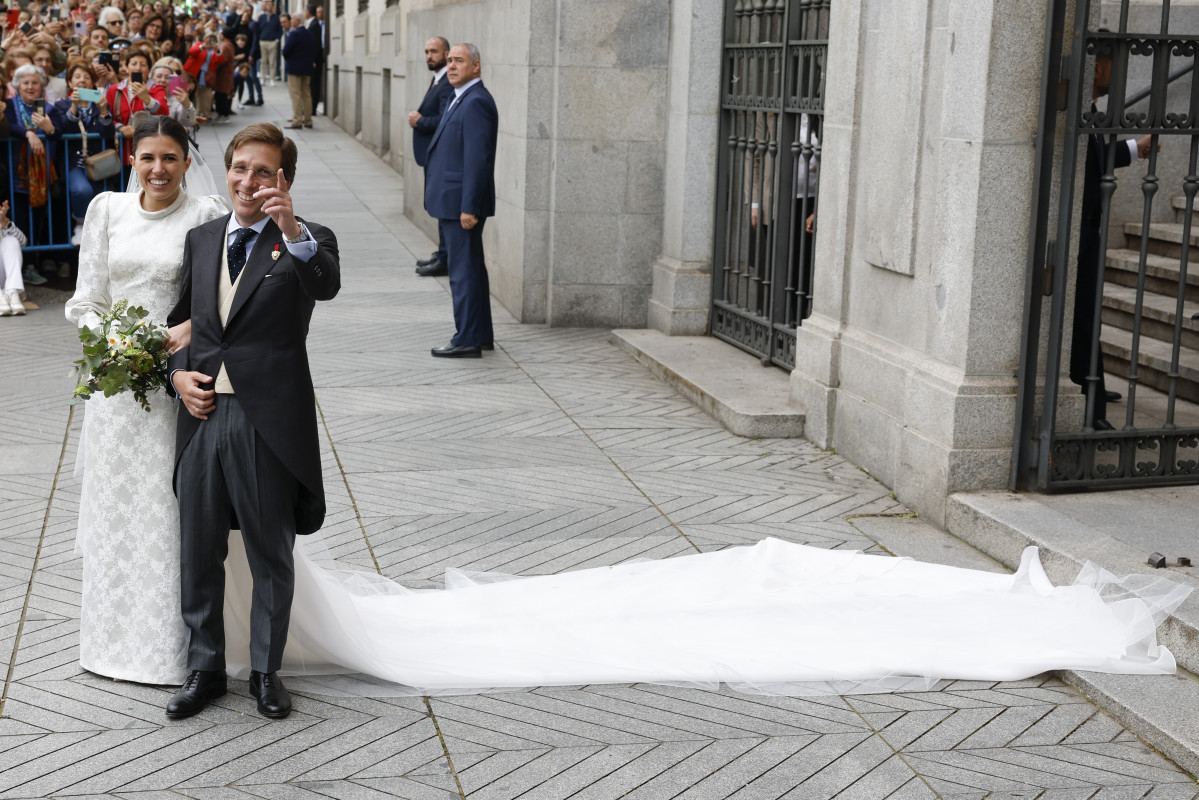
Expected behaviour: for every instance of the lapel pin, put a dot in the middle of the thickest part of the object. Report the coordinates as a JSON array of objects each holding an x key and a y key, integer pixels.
[{"x": 275, "y": 254}]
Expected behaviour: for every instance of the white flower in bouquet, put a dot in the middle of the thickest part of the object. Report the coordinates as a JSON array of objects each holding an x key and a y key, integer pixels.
[{"x": 127, "y": 353}]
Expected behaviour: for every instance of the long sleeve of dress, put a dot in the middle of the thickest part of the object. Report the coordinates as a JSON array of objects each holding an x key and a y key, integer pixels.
[
  {"x": 92, "y": 294},
  {"x": 185, "y": 116},
  {"x": 12, "y": 230}
]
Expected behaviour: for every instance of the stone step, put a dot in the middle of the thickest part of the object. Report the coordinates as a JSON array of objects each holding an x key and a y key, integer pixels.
[
  {"x": 1157, "y": 314},
  {"x": 1153, "y": 362},
  {"x": 1161, "y": 273},
  {"x": 1165, "y": 239},
  {"x": 1159, "y": 709},
  {"x": 1179, "y": 204},
  {"x": 730, "y": 385}
]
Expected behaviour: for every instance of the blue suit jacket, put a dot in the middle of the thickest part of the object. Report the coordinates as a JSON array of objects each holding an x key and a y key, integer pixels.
[
  {"x": 435, "y": 101},
  {"x": 460, "y": 173},
  {"x": 299, "y": 52}
]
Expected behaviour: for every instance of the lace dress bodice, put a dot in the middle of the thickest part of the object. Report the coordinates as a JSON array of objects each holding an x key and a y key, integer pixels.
[
  {"x": 128, "y": 533},
  {"x": 128, "y": 252}
]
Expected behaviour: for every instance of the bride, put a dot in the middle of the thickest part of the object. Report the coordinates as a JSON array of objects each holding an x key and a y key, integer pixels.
[
  {"x": 128, "y": 534},
  {"x": 775, "y": 617}
]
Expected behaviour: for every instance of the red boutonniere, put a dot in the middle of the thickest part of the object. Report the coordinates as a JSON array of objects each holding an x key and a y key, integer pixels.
[{"x": 275, "y": 255}]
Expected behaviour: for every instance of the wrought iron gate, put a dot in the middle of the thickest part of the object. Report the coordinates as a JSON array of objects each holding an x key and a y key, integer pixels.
[
  {"x": 1125, "y": 266},
  {"x": 772, "y": 112}
]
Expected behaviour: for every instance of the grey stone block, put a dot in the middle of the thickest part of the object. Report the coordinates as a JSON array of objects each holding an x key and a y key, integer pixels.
[{"x": 740, "y": 394}]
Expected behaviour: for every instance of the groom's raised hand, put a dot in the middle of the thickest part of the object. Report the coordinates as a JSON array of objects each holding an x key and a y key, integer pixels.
[
  {"x": 278, "y": 206},
  {"x": 198, "y": 401}
]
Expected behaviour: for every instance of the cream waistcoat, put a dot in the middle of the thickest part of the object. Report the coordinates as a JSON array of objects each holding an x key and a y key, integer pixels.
[{"x": 226, "y": 291}]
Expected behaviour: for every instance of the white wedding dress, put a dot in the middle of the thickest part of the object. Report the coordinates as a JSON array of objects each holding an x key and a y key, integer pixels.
[
  {"x": 128, "y": 533},
  {"x": 776, "y": 617}
]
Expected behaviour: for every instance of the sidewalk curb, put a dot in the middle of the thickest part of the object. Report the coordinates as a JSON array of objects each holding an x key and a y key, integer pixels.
[
  {"x": 731, "y": 386},
  {"x": 1162, "y": 711},
  {"x": 1159, "y": 709}
]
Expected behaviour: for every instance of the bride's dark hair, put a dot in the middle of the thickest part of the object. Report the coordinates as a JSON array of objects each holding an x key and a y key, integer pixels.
[{"x": 154, "y": 125}]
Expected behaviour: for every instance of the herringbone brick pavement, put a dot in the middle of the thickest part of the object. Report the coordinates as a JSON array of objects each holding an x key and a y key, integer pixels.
[{"x": 555, "y": 452}]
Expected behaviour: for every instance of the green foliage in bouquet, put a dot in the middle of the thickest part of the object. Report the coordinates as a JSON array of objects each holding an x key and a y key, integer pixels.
[{"x": 127, "y": 354}]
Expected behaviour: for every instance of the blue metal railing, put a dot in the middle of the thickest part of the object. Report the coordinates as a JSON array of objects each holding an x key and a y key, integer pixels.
[{"x": 49, "y": 227}]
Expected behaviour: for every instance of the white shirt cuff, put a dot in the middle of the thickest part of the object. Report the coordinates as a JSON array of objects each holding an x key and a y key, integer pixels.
[
  {"x": 1133, "y": 150},
  {"x": 305, "y": 248}
]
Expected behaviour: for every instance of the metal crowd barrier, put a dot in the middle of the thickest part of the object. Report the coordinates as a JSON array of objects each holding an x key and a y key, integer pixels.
[{"x": 54, "y": 231}]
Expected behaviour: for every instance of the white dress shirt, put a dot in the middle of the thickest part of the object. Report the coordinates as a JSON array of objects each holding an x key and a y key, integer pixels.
[
  {"x": 303, "y": 248},
  {"x": 458, "y": 90}
]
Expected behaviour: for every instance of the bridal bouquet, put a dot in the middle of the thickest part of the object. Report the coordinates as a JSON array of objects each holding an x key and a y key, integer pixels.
[{"x": 127, "y": 354}]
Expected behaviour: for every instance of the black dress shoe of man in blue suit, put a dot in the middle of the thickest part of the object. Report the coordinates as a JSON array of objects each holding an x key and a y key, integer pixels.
[{"x": 460, "y": 193}]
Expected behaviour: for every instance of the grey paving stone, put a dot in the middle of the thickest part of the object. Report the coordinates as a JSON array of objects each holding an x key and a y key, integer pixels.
[{"x": 806, "y": 762}]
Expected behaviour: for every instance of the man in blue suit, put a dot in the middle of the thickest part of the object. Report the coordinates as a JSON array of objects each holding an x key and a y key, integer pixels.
[
  {"x": 299, "y": 54},
  {"x": 460, "y": 193},
  {"x": 424, "y": 123}
]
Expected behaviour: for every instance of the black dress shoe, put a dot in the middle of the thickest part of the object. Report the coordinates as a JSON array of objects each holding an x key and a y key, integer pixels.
[
  {"x": 457, "y": 351},
  {"x": 1103, "y": 425},
  {"x": 1113, "y": 397},
  {"x": 424, "y": 262},
  {"x": 200, "y": 687},
  {"x": 488, "y": 345},
  {"x": 432, "y": 270},
  {"x": 273, "y": 699}
]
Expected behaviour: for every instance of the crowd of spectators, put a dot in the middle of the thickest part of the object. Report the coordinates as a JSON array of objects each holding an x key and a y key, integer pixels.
[{"x": 79, "y": 67}]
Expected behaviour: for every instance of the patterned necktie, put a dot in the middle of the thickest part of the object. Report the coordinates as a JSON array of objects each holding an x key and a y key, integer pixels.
[{"x": 237, "y": 252}]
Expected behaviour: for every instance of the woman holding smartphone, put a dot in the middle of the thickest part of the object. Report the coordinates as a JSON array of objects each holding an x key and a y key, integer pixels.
[
  {"x": 35, "y": 126},
  {"x": 176, "y": 87},
  {"x": 87, "y": 110},
  {"x": 133, "y": 94}
]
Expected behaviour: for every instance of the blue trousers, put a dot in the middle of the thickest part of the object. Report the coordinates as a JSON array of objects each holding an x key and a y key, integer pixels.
[
  {"x": 81, "y": 190},
  {"x": 253, "y": 84},
  {"x": 468, "y": 283}
]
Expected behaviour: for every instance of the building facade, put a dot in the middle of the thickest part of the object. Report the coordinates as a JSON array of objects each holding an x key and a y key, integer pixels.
[{"x": 636, "y": 135}]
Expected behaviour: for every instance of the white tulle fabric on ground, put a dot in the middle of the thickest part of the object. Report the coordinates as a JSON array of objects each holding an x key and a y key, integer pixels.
[{"x": 774, "y": 618}]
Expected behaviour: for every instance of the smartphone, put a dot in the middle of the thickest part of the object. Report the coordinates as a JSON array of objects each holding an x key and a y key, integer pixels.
[
  {"x": 104, "y": 58},
  {"x": 76, "y": 42},
  {"x": 26, "y": 27},
  {"x": 176, "y": 82},
  {"x": 55, "y": 14},
  {"x": 81, "y": 28},
  {"x": 14, "y": 16},
  {"x": 40, "y": 107},
  {"x": 137, "y": 77},
  {"x": 90, "y": 95}
]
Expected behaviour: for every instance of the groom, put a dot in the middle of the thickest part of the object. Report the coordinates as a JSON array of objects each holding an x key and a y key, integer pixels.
[{"x": 246, "y": 452}]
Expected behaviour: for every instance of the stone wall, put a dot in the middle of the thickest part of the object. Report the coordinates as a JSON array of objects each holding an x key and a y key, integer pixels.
[
  {"x": 582, "y": 93},
  {"x": 364, "y": 88},
  {"x": 907, "y": 366}
]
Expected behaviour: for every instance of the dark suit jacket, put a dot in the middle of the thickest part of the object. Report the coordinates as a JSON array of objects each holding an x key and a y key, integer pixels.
[
  {"x": 1087, "y": 286},
  {"x": 460, "y": 174},
  {"x": 318, "y": 36},
  {"x": 299, "y": 52},
  {"x": 263, "y": 345},
  {"x": 430, "y": 108}
]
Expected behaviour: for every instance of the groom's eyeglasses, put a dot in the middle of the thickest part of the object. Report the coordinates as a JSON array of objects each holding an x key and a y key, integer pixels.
[{"x": 262, "y": 174}]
